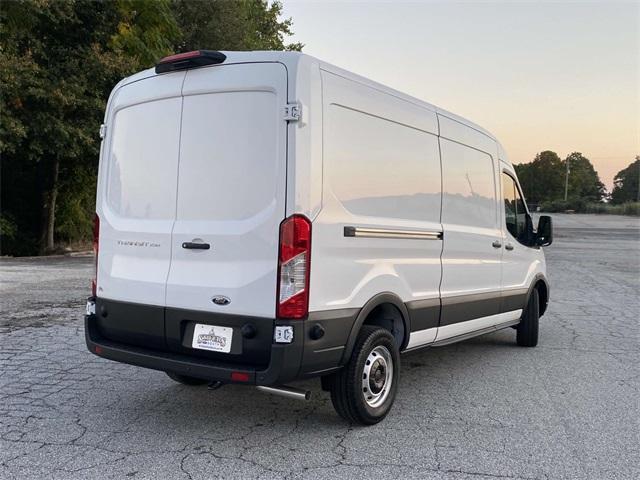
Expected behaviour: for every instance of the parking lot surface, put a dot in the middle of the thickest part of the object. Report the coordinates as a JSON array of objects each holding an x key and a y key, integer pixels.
[{"x": 480, "y": 409}]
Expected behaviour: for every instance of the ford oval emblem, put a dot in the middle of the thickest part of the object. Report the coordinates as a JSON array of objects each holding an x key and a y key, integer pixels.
[{"x": 221, "y": 300}]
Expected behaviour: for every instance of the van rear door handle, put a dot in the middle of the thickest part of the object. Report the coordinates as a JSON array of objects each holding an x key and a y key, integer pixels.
[
  {"x": 496, "y": 244},
  {"x": 196, "y": 246},
  {"x": 509, "y": 246}
]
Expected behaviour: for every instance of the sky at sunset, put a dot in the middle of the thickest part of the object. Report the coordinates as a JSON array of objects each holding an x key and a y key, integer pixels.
[{"x": 561, "y": 76}]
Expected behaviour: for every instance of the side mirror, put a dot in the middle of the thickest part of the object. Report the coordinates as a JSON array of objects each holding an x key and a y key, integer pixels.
[{"x": 544, "y": 234}]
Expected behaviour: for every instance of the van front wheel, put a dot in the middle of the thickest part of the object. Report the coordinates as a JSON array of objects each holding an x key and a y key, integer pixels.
[
  {"x": 186, "y": 380},
  {"x": 527, "y": 329},
  {"x": 365, "y": 389}
]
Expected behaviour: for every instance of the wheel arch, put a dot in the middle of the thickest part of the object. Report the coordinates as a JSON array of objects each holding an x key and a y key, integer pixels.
[
  {"x": 541, "y": 284},
  {"x": 377, "y": 312}
]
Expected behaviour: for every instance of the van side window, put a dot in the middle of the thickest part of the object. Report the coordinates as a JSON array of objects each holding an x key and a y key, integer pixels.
[
  {"x": 380, "y": 168},
  {"x": 468, "y": 186},
  {"x": 514, "y": 208}
]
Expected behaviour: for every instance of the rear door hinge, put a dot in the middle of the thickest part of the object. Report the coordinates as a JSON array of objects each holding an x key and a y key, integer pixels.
[
  {"x": 103, "y": 130},
  {"x": 292, "y": 112}
]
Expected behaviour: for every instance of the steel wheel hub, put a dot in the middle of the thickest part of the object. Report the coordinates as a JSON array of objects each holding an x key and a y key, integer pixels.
[{"x": 377, "y": 376}]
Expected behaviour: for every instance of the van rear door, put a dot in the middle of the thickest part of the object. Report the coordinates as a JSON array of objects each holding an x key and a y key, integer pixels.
[
  {"x": 136, "y": 205},
  {"x": 231, "y": 191},
  {"x": 137, "y": 196}
]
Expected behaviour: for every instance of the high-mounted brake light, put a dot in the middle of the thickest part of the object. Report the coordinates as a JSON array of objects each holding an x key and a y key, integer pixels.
[
  {"x": 294, "y": 264},
  {"x": 96, "y": 247},
  {"x": 182, "y": 61}
]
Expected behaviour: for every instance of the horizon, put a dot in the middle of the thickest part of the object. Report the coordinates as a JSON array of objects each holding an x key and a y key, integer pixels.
[{"x": 576, "y": 89}]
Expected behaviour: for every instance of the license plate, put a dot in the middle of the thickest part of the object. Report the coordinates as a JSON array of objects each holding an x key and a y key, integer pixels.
[{"x": 212, "y": 338}]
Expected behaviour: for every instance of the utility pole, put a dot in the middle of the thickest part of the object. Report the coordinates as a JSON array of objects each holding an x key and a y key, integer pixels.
[{"x": 566, "y": 181}]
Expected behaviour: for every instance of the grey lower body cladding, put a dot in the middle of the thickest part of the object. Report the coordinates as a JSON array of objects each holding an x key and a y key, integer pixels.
[
  {"x": 160, "y": 337},
  {"x": 462, "y": 308},
  {"x": 437, "y": 312}
]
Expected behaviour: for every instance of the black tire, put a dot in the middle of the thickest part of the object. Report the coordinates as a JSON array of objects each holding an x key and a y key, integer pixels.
[
  {"x": 185, "y": 380},
  {"x": 527, "y": 335},
  {"x": 376, "y": 346}
]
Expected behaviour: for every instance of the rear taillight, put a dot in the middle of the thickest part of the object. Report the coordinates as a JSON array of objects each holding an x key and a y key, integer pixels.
[
  {"x": 96, "y": 245},
  {"x": 294, "y": 263}
]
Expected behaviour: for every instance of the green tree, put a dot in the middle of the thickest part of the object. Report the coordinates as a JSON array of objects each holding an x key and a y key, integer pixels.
[
  {"x": 543, "y": 178},
  {"x": 584, "y": 182},
  {"x": 146, "y": 30},
  {"x": 626, "y": 184},
  {"x": 58, "y": 61},
  {"x": 238, "y": 25}
]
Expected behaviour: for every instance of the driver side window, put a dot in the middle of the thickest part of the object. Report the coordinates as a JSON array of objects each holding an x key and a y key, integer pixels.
[{"x": 514, "y": 209}]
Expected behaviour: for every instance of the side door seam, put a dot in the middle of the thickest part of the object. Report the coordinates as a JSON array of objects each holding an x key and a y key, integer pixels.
[{"x": 441, "y": 226}]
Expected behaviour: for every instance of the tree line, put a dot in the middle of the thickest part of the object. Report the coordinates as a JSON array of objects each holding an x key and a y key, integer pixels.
[
  {"x": 59, "y": 59},
  {"x": 555, "y": 184}
]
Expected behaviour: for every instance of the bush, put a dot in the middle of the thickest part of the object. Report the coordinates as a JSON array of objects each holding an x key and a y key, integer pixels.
[
  {"x": 553, "y": 206},
  {"x": 628, "y": 208},
  {"x": 581, "y": 206},
  {"x": 631, "y": 208},
  {"x": 578, "y": 205}
]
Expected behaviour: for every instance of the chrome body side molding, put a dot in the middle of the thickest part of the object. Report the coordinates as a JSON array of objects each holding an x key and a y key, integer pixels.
[{"x": 389, "y": 233}]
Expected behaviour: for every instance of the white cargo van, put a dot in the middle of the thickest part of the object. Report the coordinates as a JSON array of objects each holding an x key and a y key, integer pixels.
[{"x": 264, "y": 217}]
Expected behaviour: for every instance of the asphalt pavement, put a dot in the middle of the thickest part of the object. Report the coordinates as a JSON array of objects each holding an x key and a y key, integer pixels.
[{"x": 484, "y": 408}]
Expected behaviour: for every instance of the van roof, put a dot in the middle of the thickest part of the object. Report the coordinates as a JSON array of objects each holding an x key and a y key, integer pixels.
[{"x": 296, "y": 60}]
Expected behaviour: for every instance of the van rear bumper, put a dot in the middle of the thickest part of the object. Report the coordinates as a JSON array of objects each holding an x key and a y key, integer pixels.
[
  {"x": 304, "y": 357},
  {"x": 283, "y": 366}
]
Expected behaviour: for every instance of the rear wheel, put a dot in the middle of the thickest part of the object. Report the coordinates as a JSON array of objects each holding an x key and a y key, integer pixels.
[
  {"x": 365, "y": 389},
  {"x": 527, "y": 329},
  {"x": 186, "y": 380}
]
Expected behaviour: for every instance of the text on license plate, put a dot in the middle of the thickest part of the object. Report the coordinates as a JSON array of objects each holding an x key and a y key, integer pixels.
[{"x": 212, "y": 337}]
